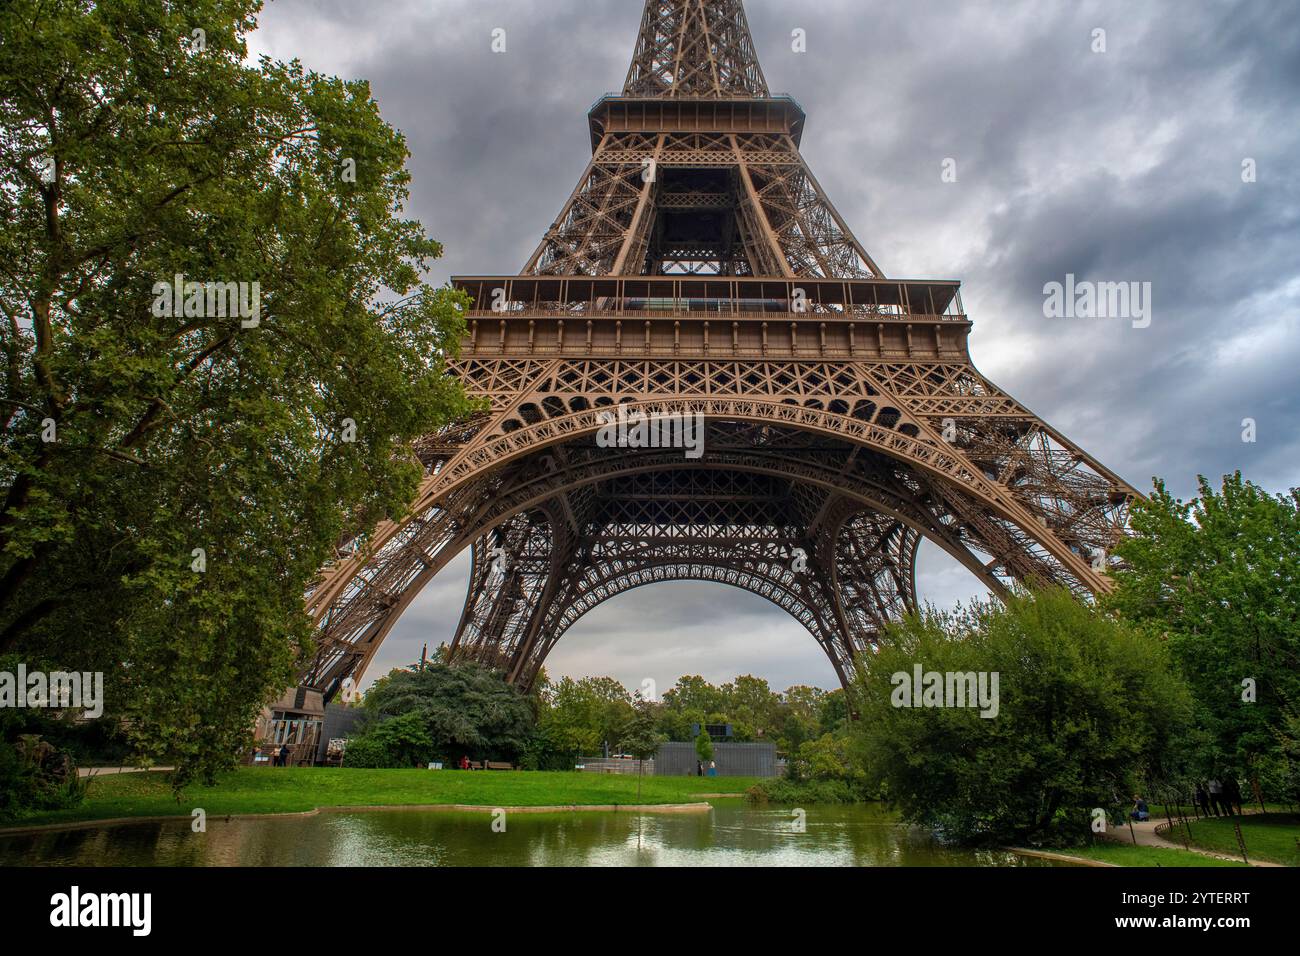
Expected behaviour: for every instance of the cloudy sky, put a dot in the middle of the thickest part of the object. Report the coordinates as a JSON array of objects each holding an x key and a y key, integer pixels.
[{"x": 1122, "y": 165}]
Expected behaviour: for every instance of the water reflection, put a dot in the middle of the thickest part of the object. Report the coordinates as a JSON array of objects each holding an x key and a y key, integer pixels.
[{"x": 732, "y": 834}]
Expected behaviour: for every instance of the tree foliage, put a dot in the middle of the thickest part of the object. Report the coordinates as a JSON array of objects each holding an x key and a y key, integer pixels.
[
  {"x": 579, "y": 716},
  {"x": 704, "y": 746},
  {"x": 1287, "y": 769},
  {"x": 639, "y": 736},
  {"x": 173, "y": 479},
  {"x": 753, "y": 709},
  {"x": 1087, "y": 709},
  {"x": 462, "y": 709},
  {"x": 1219, "y": 578},
  {"x": 402, "y": 741}
]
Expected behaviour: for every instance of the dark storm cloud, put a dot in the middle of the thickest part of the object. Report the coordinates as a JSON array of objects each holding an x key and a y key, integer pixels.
[{"x": 1115, "y": 166}]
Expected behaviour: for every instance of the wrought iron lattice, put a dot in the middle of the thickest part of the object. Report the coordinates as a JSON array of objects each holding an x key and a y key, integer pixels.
[{"x": 699, "y": 273}]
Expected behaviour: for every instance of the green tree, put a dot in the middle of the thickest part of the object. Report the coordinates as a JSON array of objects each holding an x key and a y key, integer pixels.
[
  {"x": 694, "y": 693},
  {"x": 675, "y": 724},
  {"x": 704, "y": 746},
  {"x": 173, "y": 476},
  {"x": 1218, "y": 577},
  {"x": 751, "y": 704},
  {"x": 578, "y": 717},
  {"x": 1288, "y": 767},
  {"x": 1086, "y": 712},
  {"x": 828, "y": 757},
  {"x": 641, "y": 739},
  {"x": 800, "y": 713},
  {"x": 464, "y": 710},
  {"x": 37, "y": 769},
  {"x": 834, "y": 712},
  {"x": 569, "y": 719}
]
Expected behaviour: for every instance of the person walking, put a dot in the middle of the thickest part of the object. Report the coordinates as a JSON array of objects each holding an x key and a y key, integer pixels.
[
  {"x": 699, "y": 769},
  {"x": 1202, "y": 799},
  {"x": 1232, "y": 794},
  {"x": 1216, "y": 797}
]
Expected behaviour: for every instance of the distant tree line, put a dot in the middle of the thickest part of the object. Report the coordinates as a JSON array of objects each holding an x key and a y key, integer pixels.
[{"x": 440, "y": 712}]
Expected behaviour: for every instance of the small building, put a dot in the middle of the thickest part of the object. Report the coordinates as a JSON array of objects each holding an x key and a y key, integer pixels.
[{"x": 295, "y": 721}]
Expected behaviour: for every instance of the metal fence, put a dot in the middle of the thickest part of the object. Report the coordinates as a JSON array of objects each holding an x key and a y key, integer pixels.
[
  {"x": 615, "y": 765},
  {"x": 732, "y": 759}
]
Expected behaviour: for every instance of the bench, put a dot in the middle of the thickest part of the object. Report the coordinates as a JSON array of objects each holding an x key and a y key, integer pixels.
[{"x": 493, "y": 765}]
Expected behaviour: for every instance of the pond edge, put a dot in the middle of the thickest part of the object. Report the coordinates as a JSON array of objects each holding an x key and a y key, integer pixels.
[{"x": 368, "y": 808}]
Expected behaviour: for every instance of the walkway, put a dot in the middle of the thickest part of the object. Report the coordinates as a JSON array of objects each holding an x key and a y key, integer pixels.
[
  {"x": 1145, "y": 831},
  {"x": 108, "y": 771}
]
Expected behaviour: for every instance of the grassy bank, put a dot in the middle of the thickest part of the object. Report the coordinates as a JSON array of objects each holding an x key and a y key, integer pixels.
[
  {"x": 1270, "y": 837},
  {"x": 1126, "y": 854},
  {"x": 295, "y": 789}
]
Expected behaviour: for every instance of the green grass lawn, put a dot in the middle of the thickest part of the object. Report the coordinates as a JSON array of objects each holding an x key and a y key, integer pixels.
[
  {"x": 293, "y": 789},
  {"x": 1126, "y": 854},
  {"x": 1271, "y": 837},
  {"x": 1159, "y": 811}
]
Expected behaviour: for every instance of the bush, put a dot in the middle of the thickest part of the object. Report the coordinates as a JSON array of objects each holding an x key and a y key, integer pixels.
[
  {"x": 829, "y": 757},
  {"x": 395, "y": 742},
  {"x": 547, "y": 760},
  {"x": 543, "y": 753},
  {"x": 1087, "y": 708},
  {"x": 36, "y": 776},
  {"x": 38, "y": 756}
]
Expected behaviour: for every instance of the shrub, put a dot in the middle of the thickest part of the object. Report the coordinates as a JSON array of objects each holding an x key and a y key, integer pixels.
[
  {"x": 395, "y": 742},
  {"x": 1087, "y": 708},
  {"x": 36, "y": 776}
]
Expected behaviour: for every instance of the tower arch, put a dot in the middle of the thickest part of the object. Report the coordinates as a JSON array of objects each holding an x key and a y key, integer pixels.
[{"x": 699, "y": 273}]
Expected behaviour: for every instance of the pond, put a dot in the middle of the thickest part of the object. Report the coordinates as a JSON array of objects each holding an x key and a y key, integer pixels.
[{"x": 731, "y": 834}]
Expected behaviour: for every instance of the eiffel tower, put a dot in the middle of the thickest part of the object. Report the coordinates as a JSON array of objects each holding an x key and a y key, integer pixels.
[{"x": 699, "y": 273}]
